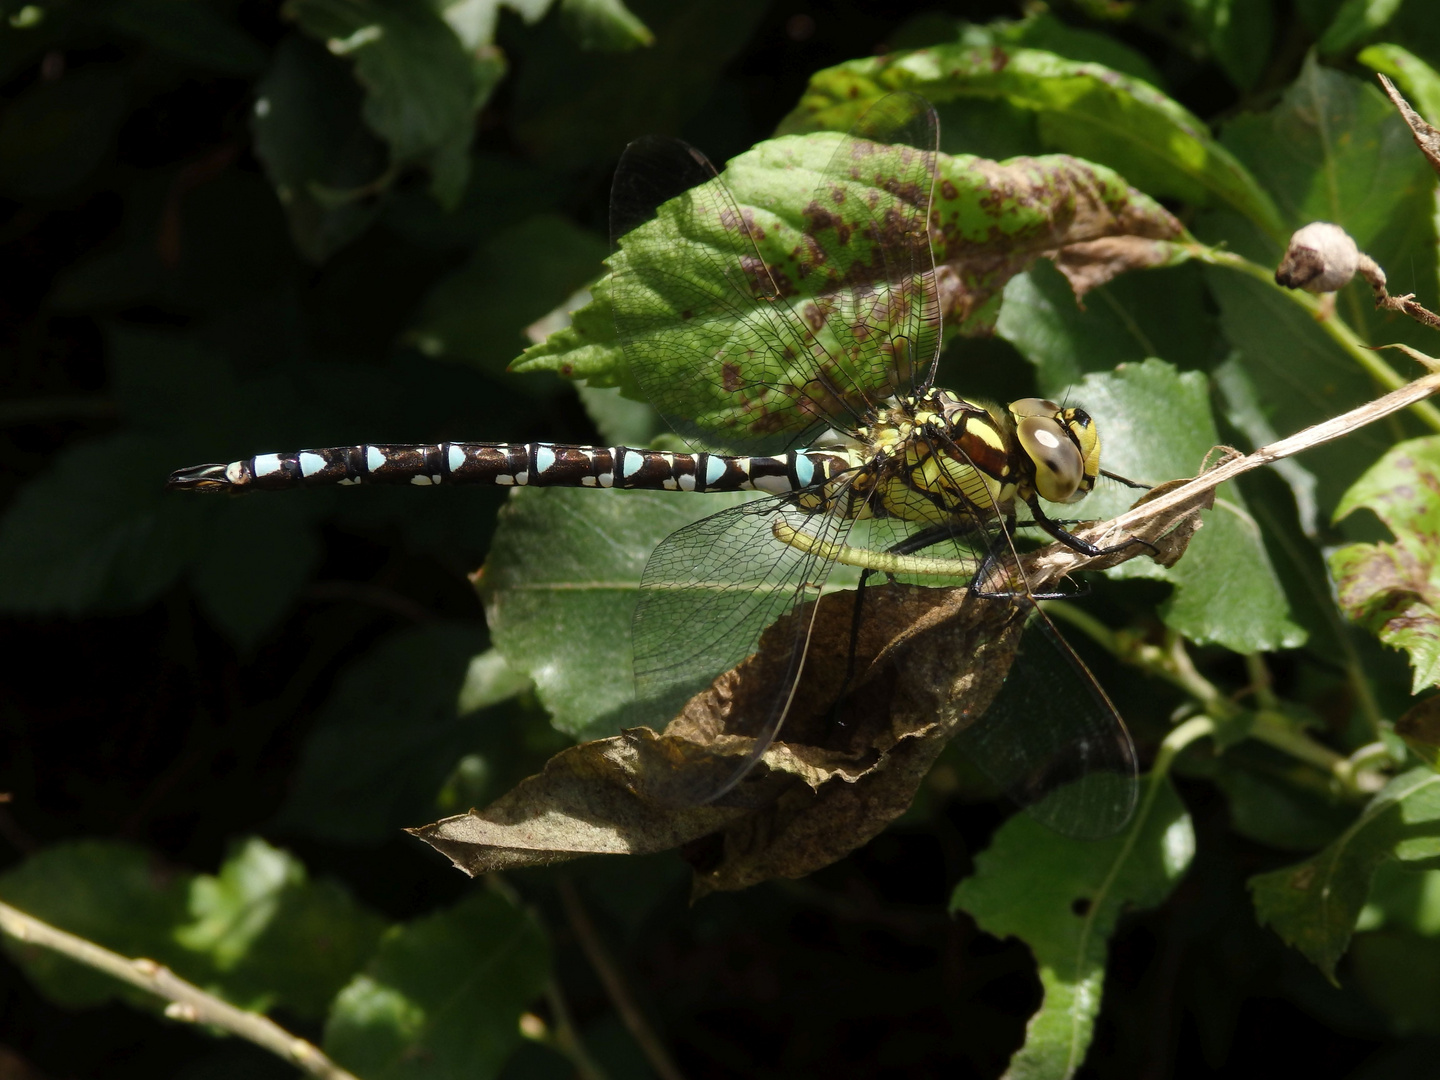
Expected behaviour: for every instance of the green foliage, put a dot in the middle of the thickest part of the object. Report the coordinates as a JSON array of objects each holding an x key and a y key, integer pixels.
[
  {"x": 1315, "y": 904},
  {"x": 1064, "y": 900},
  {"x": 259, "y": 933},
  {"x": 443, "y": 995},
  {"x": 251, "y": 227},
  {"x": 1385, "y": 587}
]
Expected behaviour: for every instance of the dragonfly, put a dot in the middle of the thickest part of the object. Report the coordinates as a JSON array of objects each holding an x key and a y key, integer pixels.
[{"x": 794, "y": 349}]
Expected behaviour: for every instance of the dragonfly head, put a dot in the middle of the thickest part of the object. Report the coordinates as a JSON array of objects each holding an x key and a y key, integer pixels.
[{"x": 1061, "y": 445}]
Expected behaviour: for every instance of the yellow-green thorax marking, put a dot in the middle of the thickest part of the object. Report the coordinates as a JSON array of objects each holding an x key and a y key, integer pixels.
[{"x": 937, "y": 458}]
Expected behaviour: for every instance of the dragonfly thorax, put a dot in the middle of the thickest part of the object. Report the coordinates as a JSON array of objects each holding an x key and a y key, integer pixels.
[{"x": 936, "y": 457}]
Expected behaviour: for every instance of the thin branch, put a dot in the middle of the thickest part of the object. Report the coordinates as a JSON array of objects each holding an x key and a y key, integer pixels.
[
  {"x": 187, "y": 1001},
  {"x": 1169, "y": 507},
  {"x": 615, "y": 986},
  {"x": 564, "y": 1037}
]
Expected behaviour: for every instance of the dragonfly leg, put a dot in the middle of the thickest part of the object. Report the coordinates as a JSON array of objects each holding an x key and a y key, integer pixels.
[
  {"x": 927, "y": 537},
  {"x": 999, "y": 546},
  {"x": 1057, "y": 531}
]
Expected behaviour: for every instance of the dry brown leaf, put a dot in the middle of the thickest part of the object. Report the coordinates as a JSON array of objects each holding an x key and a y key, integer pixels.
[{"x": 927, "y": 663}]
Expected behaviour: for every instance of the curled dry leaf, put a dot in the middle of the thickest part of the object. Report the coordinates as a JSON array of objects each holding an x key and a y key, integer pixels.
[
  {"x": 1090, "y": 264},
  {"x": 1427, "y": 138},
  {"x": 927, "y": 664}
]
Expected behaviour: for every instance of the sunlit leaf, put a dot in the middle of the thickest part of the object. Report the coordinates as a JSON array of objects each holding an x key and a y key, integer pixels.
[
  {"x": 1418, "y": 80},
  {"x": 991, "y": 220},
  {"x": 1386, "y": 587},
  {"x": 1063, "y": 899},
  {"x": 117, "y": 895},
  {"x": 273, "y": 936},
  {"x": 560, "y": 588},
  {"x": 1083, "y": 109},
  {"x": 443, "y": 996},
  {"x": 1155, "y": 425},
  {"x": 1314, "y": 905}
]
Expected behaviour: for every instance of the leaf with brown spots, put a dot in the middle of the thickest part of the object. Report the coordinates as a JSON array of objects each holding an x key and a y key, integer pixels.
[
  {"x": 1393, "y": 589},
  {"x": 990, "y": 221},
  {"x": 1082, "y": 108}
]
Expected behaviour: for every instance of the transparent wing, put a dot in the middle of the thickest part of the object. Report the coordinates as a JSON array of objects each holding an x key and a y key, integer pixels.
[
  {"x": 745, "y": 325},
  {"x": 708, "y": 593},
  {"x": 1054, "y": 742},
  {"x": 869, "y": 227}
]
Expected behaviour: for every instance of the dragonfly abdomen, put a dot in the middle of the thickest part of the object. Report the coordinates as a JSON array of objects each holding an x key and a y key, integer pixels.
[{"x": 517, "y": 465}]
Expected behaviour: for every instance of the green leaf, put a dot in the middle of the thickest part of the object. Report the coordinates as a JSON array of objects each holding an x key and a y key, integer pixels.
[
  {"x": 400, "y": 718},
  {"x": 259, "y": 934},
  {"x": 420, "y": 87},
  {"x": 1136, "y": 316},
  {"x": 606, "y": 25},
  {"x": 1082, "y": 108},
  {"x": 573, "y": 106},
  {"x": 991, "y": 220},
  {"x": 560, "y": 588},
  {"x": 1314, "y": 905},
  {"x": 1265, "y": 808},
  {"x": 314, "y": 144},
  {"x": 474, "y": 20},
  {"x": 116, "y": 895},
  {"x": 1063, "y": 899},
  {"x": 1325, "y": 149},
  {"x": 96, "y": 532},
  {"x": 1043, "y": 31},
  {"x": 1418, "y": 80},
  {"x": 1298, "y": 374},
  {"x": 273, "y": 937},
  {"x": 479, "y": 312},
  {"x": 442, "y": 999},
  {"x": 244, "y": 596},
  {"x": 191, "y": 32},
  {"x": 55, "y": 133},
  {"x": 1403, "y": 898},
  {"x": 1389, "y": 587},
  {"x": 1155, "y": 425},
  {"x": 1355, "y": 21},
  {"x": 1400, "y": 975},
  {"x": 1239, "y": 34}
]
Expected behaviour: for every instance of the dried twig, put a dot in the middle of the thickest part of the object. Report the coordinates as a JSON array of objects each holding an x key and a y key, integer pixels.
[
  {"x": 187, "y": 1001},
  {"x": 615, "y": 986},
  {"x": 1162, "y": 510}
]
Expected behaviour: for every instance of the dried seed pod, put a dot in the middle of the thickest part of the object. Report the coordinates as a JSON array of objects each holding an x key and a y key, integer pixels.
[{"x": 1320, "y": 259}]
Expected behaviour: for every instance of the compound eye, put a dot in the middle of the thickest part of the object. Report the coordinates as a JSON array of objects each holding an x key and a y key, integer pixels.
[{"x": 1059, "y": 468}]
